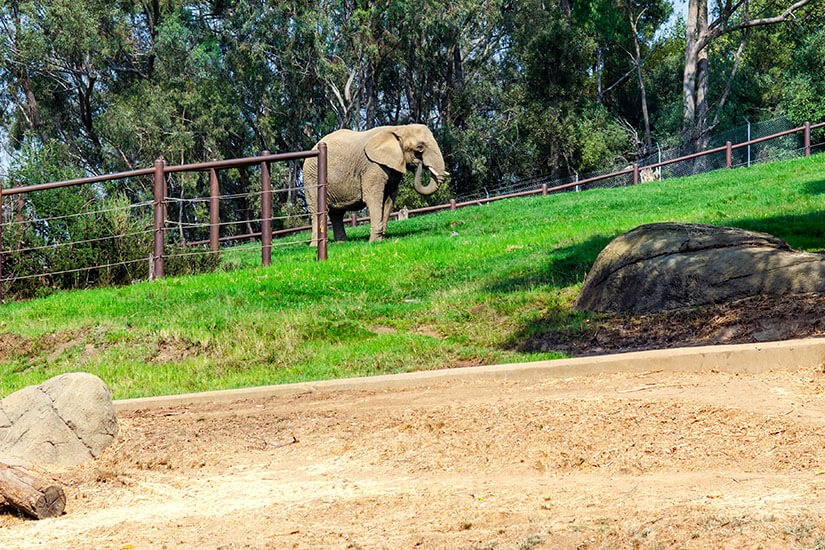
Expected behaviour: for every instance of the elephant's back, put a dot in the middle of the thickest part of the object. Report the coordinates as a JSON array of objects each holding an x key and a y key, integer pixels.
[{"x": 345, "y": 155}]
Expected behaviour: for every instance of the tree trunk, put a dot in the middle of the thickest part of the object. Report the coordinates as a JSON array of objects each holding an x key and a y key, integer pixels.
[
  {"x": 698, "y": 37},
  {"x": 31, "y": 101},
  {"x": 455, "y": 83},
  {"x": 371, "y": 93},
  {"x": 28, "y": 493},
  {"x": 702, "y": 73},
  {"x": 599, "y": 75},
  {"x": 689, "y": 75}
]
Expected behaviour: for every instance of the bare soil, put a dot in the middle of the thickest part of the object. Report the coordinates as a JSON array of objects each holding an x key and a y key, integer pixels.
[
  {"x": 49, "y": 347},
  {"x": 756, "y": 319},
  {"x": 655, "y": 460}
]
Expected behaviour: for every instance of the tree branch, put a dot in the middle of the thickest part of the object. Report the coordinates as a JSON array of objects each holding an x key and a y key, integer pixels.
[
  {"x": 724, "y": 28},
  {"x": 630, "y": 72},
  {"x": 726, "y": 13}
]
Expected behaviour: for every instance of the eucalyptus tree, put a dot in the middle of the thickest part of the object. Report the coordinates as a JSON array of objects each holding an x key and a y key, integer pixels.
[
  {"x": 59, "y": 60},
  {"x": 700, "y": 33}
]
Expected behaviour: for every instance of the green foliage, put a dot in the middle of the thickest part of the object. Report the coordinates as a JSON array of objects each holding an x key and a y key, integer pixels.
[
  {"x": 54, "y": 236},
  {"x": 410, "y": 198},
  {"x": 600, "y": 138},
  {"x": 805, "y": 97}
]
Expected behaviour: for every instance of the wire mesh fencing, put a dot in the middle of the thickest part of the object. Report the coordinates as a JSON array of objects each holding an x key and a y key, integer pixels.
[
  {"x": 62, "y": 238},
  {"x": 197, "y": 217}
]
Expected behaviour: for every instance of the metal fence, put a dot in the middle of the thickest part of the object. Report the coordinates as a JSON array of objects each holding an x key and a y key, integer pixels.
[
  {"x": 134, "y": 240},
  {"x": 759, "y": 142},
  {"x": 785, "y": 142}
]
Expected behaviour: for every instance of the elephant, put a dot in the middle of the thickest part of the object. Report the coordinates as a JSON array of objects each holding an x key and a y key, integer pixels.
[{"x": 365, "y": 168}]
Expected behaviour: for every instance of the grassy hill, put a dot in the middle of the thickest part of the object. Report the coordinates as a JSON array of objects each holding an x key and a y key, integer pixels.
[{"x": 444, "y": 290}]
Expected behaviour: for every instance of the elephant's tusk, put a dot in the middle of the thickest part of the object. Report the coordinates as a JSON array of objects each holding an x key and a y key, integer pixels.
[{"x": 436, "y": 174}]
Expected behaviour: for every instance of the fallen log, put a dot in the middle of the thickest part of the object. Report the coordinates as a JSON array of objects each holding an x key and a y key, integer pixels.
[{"x": 29, "y": 493}]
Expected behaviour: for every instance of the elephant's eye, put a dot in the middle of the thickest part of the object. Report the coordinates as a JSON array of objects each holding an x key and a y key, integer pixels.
[{"x": 420, "y": 148}]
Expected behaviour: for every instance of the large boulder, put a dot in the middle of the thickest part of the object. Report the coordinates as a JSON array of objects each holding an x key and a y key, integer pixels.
[
  {"x": 68, "y": 419},
  {"x": 663, "y": 266}
]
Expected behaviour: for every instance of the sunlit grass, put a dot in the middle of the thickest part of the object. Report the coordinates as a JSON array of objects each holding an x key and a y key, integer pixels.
[{"x": 448, "y": 289}]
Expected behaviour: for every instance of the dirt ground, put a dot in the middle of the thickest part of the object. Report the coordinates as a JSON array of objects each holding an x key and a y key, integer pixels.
[
  {"x": 655, "y": 460},
  {"x": 756, "y": 319}
]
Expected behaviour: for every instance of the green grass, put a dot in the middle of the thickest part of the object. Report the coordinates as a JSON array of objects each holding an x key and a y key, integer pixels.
[{"x": 448, "y": 289}]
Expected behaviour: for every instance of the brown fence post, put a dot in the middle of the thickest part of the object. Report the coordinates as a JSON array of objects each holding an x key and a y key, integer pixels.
[
  {"x": 19, "y": 216},
  {"x": 353, "y": 219},
  {"x": 635, "y": 174},
  {"x": 165, "y": 188},
  {"x": 728, "y": 154},
  {"x": 322, "y": 201},
  {"x": 543, "y": 188},
  {"x": 452, "y": 204},
  {"x": 214, "y": 210},
  {"x": 1, "y": 239},
  {"x": 807, "y": 139},
  {"x": 160, "y": 218},
  {"x": 266, "y": 214}
]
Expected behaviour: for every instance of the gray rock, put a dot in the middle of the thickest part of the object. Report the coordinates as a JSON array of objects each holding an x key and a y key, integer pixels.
[
  {"x": 68, "y": 419},
  {"x": 663, "y": 266}
]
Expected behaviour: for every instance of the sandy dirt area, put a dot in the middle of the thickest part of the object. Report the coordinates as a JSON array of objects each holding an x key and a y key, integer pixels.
[{"x": 656, "y": 460}]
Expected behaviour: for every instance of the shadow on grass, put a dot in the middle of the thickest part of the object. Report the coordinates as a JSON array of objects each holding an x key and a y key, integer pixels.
[
  {"x": 816, "y": 187},
  {"x": 803, "y": 232},
  {"x": 565, "y": 266},
  {"x": 395, "y": 230}
]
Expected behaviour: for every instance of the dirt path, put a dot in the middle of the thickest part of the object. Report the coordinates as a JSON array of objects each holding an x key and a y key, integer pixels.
[{"x": 657, "y": 460}]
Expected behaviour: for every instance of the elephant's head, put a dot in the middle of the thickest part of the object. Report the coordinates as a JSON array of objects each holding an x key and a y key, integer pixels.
[{"x": 410, "y": 147}]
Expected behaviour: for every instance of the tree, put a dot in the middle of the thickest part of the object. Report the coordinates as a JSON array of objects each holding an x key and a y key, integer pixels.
[{"x": 734, "y": 16}]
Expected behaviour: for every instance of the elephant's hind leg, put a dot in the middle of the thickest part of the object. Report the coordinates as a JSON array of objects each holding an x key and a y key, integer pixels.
[
  {"x": 314, "y": 239},
  {"x": 337, "y": 219}
]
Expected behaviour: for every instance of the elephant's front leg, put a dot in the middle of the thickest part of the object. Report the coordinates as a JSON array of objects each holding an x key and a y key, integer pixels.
[
  {"x": 386, "y": 218},
  {"x": 375, "y": 206},
  {"x": 373, "y": 187}
]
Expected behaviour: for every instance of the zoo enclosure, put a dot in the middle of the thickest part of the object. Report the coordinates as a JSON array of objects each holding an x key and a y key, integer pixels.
[{"x": 160, "y": 173}]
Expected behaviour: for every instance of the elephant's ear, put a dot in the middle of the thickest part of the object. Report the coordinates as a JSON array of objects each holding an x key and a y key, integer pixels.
[{"x": 384, "y": 148}]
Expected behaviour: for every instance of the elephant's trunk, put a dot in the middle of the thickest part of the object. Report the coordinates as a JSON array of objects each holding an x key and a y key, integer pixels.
[{"x": 431, "y": 185}]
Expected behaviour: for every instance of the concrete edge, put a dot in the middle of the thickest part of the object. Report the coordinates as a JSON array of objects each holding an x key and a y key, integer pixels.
[{"x": 731, "y": 358}]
